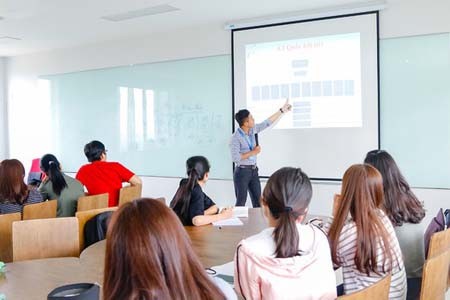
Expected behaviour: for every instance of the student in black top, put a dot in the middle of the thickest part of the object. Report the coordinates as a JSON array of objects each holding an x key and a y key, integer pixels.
[{"x": 190, "y": 203}]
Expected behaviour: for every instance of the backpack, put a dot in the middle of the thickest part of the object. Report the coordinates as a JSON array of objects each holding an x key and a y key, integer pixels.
[
  {"x": 439, "y": 223},
  {"x": 96, "y": 228}
]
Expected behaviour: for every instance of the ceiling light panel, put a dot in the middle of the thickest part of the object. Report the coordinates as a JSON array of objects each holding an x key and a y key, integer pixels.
[{"x": 149, "y": 11}]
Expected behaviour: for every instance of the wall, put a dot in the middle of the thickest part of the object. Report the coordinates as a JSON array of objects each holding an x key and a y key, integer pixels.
[{"x": 400, "y": 18}]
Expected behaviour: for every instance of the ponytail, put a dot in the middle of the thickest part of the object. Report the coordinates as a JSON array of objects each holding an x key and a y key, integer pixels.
[
  {"x": 56, "y": 177},
  {"x": 287, "y": 194},
  {"x": 183, "y": 196},
  {"x": 51, "y": 166},
  {"x": 197, "y": 167},
  {"x": 286, "y": 235}
]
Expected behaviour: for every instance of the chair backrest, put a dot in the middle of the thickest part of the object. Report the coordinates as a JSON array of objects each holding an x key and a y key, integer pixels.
[
  {"x": 129, "y": 193},
  {"x": 6, "y": 221},
  {"x": 92, "y": 202},
  {"x": 434, "y": 277},
  {"x": 45, "y": 238},
  {"x": 437, "y": 224},
  {"x": 84, "y": 216},
  {"x": 378, "y": 290},
  {"x": 439, "y": 243},
  {"x": 43, "y": 210}
]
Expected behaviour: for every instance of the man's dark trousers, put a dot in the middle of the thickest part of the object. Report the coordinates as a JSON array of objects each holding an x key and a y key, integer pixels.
[{"x": 245, "y": 179}]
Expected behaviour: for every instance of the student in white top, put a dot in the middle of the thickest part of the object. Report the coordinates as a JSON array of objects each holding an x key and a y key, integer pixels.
[
  {"x": 361, "y": 236},
  {"x": 288, "y": 260}
]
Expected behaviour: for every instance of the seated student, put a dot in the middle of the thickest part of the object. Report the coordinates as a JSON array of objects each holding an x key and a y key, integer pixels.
[
  {"x": 190, "y": 203},
  {"x": 101, "y": 176},
  {"x": 404, "y": 210},
  {"x": 14, "y": 193},
  {"x": 362, "y": 238},
  {"x": 59, "y": 186},
  {"x": 288, "y": 260},
  {"x": 149, "y": 256}
]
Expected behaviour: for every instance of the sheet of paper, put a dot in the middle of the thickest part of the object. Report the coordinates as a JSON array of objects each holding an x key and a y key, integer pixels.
[
  {"x": 240, "y": 212},
  {"x": 225, "y": 272},
  {"x": 225, "y": 269},
  {"x": 228, "y": 222}
]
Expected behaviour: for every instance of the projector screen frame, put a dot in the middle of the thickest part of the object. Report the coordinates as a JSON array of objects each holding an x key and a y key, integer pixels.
[{"x": 376, "y": 12}]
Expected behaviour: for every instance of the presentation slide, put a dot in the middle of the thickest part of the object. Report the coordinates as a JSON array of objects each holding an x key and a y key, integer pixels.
[
  {"x": 321, "y": 77},
  {"x": 328, "y": 69}
]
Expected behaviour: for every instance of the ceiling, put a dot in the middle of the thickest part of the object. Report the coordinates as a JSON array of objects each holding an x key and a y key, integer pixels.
[{"x": 39, "y": 25}]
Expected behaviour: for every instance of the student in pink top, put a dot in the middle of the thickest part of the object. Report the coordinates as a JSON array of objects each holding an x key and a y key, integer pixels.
[{"x": 288, "y": 260}]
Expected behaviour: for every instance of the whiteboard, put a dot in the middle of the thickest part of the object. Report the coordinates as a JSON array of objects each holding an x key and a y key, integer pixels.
[
  {"x": 151, "y": 117},
  {"x": 415, "y": 107}
]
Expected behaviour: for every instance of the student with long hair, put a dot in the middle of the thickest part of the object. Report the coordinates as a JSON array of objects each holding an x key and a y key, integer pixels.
[
  {"x": 59, "y": 186},
  {"x": 406, "y": 213},
  {"x": 149, "y": 256},
  {"x": 14, "y": 193},
  {"x": 288, "y": 260},
  {"x": 362, "y": 238},
  {"x": 190, "y": 203}
]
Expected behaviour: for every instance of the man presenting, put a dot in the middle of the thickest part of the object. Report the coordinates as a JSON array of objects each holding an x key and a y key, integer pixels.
[{"x": 244, "y": 149}]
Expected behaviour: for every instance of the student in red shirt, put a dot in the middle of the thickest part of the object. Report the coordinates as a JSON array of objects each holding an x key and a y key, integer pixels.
[{"x": 101, "y": 176}]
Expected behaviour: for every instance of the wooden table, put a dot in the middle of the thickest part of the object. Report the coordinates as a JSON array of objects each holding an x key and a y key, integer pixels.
[
  {"x": 216, "y": 246},
  {"x": 213, "y": 245},
  {"x": 34, "y": 279}
]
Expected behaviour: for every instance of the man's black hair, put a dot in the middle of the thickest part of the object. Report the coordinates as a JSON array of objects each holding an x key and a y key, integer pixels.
[
  {"x": 94, "y": 150},
  {"x": 241, "y": 116}
]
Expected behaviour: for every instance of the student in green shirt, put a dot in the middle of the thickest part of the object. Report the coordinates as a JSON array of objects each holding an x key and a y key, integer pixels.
[{"x": 59, "y": 186}]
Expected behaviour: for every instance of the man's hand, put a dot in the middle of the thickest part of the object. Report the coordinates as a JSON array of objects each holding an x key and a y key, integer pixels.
[
  {"x": 257, "y": 150},
  {"x": 286, "y": 107}
]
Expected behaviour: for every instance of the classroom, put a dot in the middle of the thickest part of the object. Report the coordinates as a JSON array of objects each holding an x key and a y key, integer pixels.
[{"x": 72, "y": 72}]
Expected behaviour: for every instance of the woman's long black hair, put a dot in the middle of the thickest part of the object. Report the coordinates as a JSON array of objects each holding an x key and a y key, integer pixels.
[
  {"x": 287, "y": 194},
  {"x": 196, "y": 168},
  {"x": 52, "y": 168}
]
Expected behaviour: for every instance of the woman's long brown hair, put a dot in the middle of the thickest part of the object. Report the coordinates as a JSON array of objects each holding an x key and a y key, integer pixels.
[
  {"x": 12, "y": 187},
  {"x": 400, "y": 203},
  {"x": 361, "y": 198},
  {"x": 149, "y": 256}
]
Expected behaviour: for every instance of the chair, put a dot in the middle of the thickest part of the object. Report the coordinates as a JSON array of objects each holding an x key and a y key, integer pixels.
[
  {"x": 129, "y": 193},
  {"x": 439, "y": 243},
  {"x": 45, "y": 238},
  {"x": 43, "y": 210},
  {"x": 434, "y": 277},
  {"x": 378, "y": 290},
  {"x": 84, "y": 216},
  {"x": 92, "y": 202},
  {"x": 6, "y": 222}
]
